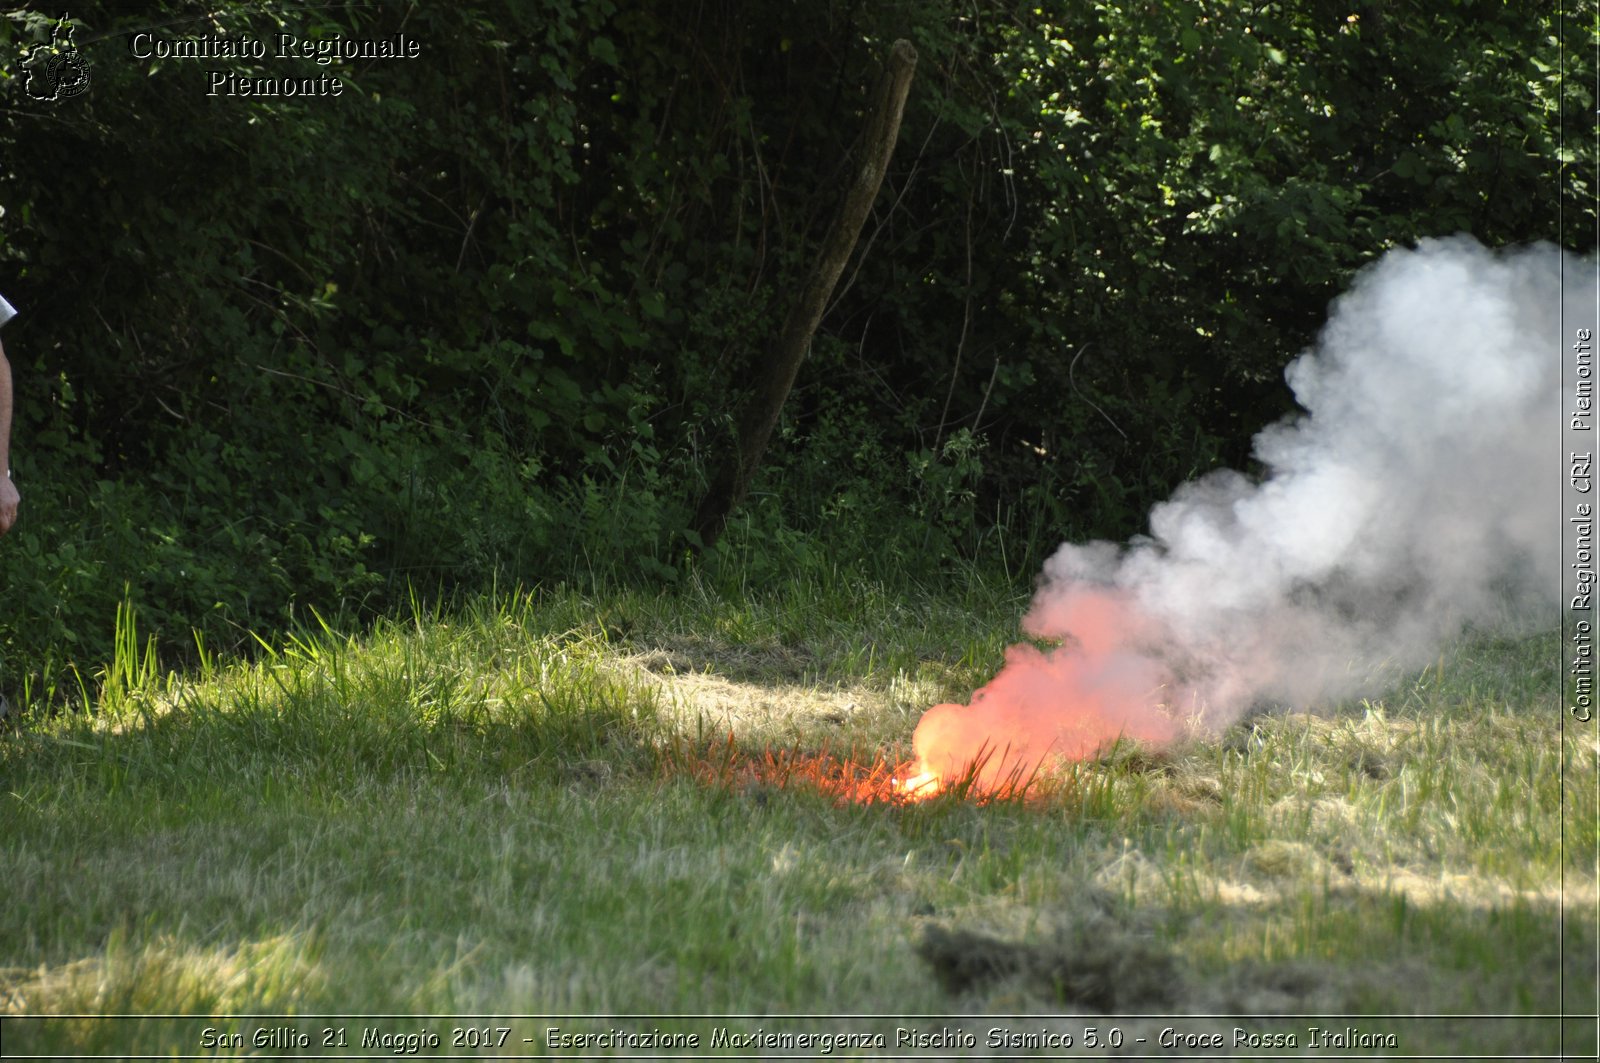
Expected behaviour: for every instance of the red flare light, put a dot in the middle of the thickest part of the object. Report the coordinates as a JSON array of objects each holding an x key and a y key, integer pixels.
[
  {"x": 919, "y": 786},
  {"x": 848, "y": 778}
]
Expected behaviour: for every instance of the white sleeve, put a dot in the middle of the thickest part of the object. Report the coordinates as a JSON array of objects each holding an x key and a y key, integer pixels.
[{"x": 7, "y": 312}]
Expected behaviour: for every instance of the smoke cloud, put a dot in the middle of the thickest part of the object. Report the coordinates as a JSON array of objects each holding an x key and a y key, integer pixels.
[{"x": 1417, "y": 494}]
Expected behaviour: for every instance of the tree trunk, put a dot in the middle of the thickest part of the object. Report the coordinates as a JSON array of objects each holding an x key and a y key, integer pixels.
[{"x": 775, "y": 378}]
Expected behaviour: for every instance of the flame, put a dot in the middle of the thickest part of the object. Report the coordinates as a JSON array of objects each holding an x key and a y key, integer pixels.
[
  {"x": 984, "y": 778},
  {"x": 919, "y": 786},
  {"x": 1100, "y": 684},
  {"x": 856, "y": 777},
  {"x": 1067, "y": 703},
  {"x": 1044, "y": 708},
  {"x": 848, "y": 779}
]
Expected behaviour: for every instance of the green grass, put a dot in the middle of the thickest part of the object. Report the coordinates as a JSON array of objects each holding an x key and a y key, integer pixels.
[{"x": 566, "y": 803}]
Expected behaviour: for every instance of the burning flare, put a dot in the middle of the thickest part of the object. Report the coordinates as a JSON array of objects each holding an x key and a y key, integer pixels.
[
  {"x": 920, "y": 786},
  {"x": 1410, "y": 499},
  {"x": 1065, "y": 703}
]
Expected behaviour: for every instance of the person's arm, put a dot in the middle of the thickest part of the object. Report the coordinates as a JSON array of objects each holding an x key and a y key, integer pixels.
[{"x": 8, "y": 492}]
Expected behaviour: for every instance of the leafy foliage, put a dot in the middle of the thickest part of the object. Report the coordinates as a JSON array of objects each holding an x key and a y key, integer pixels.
[{"x": 481, "y": 315}]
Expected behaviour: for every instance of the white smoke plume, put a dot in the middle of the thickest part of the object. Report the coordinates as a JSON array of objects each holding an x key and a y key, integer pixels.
[{"x": 1417, "y": 494}]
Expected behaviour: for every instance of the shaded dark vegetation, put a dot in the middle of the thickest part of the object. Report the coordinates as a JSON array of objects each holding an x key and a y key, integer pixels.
[{"x": 483, "y": 318}]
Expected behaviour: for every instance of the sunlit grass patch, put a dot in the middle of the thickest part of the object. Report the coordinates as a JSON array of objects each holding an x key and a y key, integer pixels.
[
  {"x": 165, "y": 974},
  {"x": 506, "y": 807}
]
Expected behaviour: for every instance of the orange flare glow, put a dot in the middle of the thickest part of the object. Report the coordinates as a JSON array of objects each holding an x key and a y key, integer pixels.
[
  {"x": 1043, "y": 708},
  {"x": 919, "y": 787},
  {"x": 869, "y": 780}
]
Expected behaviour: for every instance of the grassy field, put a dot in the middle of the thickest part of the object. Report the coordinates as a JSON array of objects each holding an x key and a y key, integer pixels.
[{"x": 559, "y": 804}]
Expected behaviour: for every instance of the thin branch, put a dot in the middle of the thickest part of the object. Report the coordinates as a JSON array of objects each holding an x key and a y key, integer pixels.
[
  {"x": 1086, "y": 398},
  {"x": 966, "y": 321},
  {"x": 977, "y": 420}
]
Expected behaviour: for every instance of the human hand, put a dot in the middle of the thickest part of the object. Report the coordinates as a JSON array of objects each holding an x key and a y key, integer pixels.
[{"x": 8, "y": 503}]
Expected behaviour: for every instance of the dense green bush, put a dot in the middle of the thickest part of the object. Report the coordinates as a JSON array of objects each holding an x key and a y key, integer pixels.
[{"x": 483, "y": 315}]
